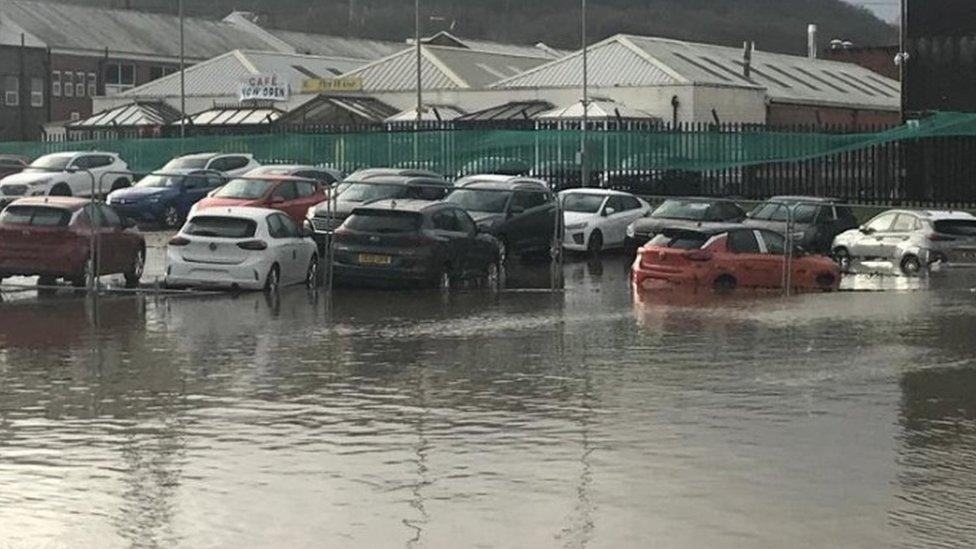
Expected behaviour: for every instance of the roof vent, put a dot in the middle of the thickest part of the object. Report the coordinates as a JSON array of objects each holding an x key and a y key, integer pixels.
[
  {"x": 836, "y": 44},
  {"x": 812, "y": 41}
]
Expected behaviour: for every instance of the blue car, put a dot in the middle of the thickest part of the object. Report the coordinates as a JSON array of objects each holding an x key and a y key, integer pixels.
[{"x": 165, "y": 199}]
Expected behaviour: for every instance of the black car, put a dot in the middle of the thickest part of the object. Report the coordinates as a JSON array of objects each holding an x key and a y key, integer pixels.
[
  {"x": 683, "y": 213},
  {"x": 562, "y": 175},
  {"x": 392, "y": 242},
  {"x": 366, "y": 186},
  {"x": 816, "y": 221},
  {"x": 520, "y": 212},
  {"x": 634, "y": 176}
]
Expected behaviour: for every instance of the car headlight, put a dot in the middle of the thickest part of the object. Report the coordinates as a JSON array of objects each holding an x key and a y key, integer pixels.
[
  {"x": 630, "y": 231},
  {"x": 577, "y": 226},
  {"x": 310, "y": 213}
]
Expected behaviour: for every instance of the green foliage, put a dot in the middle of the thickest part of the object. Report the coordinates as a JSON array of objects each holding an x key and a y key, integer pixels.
[{"x": 775, "y": 25}]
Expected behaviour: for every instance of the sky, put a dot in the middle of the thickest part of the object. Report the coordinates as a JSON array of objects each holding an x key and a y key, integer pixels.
[{"x": 885, "y": 9}]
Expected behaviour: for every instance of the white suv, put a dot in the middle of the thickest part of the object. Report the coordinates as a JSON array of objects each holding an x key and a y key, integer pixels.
[
  {"x": 67, "y": 174},
  {"x": 229, "y": 164}
]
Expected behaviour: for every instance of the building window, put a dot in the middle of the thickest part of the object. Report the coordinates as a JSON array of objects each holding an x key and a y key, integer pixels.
[
  {"x": 119, "y": 77},
  {"x": 37, "y": 92},
  {"x": 74, "y": 116},
  {"x": 56, "y": 83},
  {"x": 67, "y": 84},
  {"x": 79, "y": 84},
  {"x": 92, "y": 85},
  {"x": 11, "y": 91}
]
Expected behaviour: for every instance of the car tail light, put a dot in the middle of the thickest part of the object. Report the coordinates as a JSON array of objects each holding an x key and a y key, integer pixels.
[
  {"x": 179, "y": 241},
  {"x": 253, "y": 245},
  {"x": 936, "y": 237},
  {"x": 698, "y": 255}
]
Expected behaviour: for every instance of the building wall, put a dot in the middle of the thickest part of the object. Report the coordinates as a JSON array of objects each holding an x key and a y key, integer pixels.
[
  {"x": 65, "y": 107},
  {"x": 941, "y": 41},
  {"x": 25, "y": 120},
  {"x": 809, "y": 115}
]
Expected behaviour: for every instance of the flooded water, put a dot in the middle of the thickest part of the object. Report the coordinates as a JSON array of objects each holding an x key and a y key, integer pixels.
[{"x": 585, "y": 418}]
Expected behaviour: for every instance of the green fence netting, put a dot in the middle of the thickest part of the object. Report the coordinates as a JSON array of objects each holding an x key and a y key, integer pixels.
[{"x": 448, "y": 151}]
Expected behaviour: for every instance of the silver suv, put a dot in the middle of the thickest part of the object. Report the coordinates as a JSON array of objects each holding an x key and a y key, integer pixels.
[{"x": 911, "y": 240}]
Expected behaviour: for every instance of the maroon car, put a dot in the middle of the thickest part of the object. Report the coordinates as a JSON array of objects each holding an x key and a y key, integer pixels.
[
  {"x": 49, "y": 237},
  {"x": 10, "y": 164}
]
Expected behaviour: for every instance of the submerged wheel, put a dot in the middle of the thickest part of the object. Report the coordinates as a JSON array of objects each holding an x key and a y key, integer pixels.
[
  {"x": 842, "y": 257},
  {"x": 312, "y": 279},
  {"x": 493, "y": 275},
  {"x": 910, "y": 265},
  {"x": 724, "y": 283},
  {"x": 120, "y": 183},
  {"x": 273, "y": 281},
  {"x": 595, "y": 245},
  {"x": 171, "y": 217},
  {"x": 61, "y": 189},
  {"x": 85, "y": 277},
  {"x": 826, "y": 281},
  {"x": 134, "y": 274}
]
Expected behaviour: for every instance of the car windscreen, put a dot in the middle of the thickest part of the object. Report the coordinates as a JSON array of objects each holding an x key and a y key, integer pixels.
[
  {"x": 220, "y": 227},
  {"x": 247, "y": 189},
  {"x": 49, "y": 163},
  {"x": 185, "y": 164},
  {"x": 160, "y": 181},
  {"x": 360, "y": 191},
  {"x": 682, "y": 209},
  {"x": 956, "y": 227},
  {"x": 479, "y": 200},
  {"x": 382, "y": 221},
  {"x": 582, "y": 203},
  {"x": 685, "y": 240},
  {"x": 35, "y": 216}
]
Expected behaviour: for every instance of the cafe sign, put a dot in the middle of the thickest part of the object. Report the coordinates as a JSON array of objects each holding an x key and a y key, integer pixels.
[
  {"x": 264, "y": 87},
  {"x": 324, "y": 85}
]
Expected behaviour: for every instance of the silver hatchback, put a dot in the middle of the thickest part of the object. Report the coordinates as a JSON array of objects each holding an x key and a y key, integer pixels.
[{"x": 910, "y": 239}]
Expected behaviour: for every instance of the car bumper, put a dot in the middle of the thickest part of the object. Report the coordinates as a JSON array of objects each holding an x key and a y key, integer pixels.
[
  {"x": 250, "y": 275},
  {"x": 144, "y": 213},
  {"x": 345, "y": 273},
  {"x": 575, "y": 240}
]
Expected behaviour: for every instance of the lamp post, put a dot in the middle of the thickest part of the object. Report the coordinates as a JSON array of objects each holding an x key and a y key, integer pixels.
[
  {"x": 584, "y": 160},
  {"x": 416, "y": 37},
  {"x": 182, "y": 74}
]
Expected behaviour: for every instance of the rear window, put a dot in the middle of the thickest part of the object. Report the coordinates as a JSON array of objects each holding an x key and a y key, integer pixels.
[
  {"x": 957, "y": 227},
  {"x": 37, "y": 216},
  {"x": 220, "y": 227},
  {"x": 383, "y": 222},
  {"x": 680, "y": 241}
]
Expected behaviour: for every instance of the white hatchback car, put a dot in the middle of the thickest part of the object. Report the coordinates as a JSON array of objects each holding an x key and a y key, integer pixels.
[
  {"x": 241, "y": 248},
  {"x": 597, "y": 219},
  {"x": 229, "y": 164},
  {"x": 67, "y": 174}
]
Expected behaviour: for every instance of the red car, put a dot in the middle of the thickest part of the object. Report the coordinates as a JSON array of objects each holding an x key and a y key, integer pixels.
[
  {"x": 49, "y": 237},
  {"x": 291, "y": 195},
  {"x": 725, "y": 258}
]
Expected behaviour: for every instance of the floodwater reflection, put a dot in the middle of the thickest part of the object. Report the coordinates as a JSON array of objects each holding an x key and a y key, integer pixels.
[{"x": 582, "y": 417}]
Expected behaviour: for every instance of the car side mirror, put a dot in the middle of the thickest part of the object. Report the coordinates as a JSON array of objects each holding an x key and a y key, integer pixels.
[
  {"x": 277, "y": 200},
  {"x": 514, "y": 210},
  {"x": 608, "y": 211},
  {"x": 865, "y": 229}
]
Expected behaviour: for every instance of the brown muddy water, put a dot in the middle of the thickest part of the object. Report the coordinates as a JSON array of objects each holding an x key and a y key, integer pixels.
[{"x": 585, "y": 418}]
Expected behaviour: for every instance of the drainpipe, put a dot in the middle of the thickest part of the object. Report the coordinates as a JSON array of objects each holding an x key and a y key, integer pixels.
[{"x": 21, "y": 102}]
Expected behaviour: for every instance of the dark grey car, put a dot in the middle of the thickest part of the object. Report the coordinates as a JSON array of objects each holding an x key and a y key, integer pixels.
[
  {"x": 816, "y": 221},
  {"x": 683, "y": 213},
  {"x": 520, "y": 212}
]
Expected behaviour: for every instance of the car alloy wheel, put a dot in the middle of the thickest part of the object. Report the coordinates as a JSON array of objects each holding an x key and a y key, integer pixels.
[
  {"x": 595, "y": 245},
  {"x": 493, "y": 276},
  {"x": 911, "y": 265},
  {"x": 503, "y": 249},
  {"x": 843, "y": 258},
  {"x": 87, "y": 276},
  {"x": 171, "y": 217},
  {"x": 444, "y": 280},
  {"x": 273, "y": 282},
  {"x": 133, "y": 276},
  {"x": 312, "y": 275}
]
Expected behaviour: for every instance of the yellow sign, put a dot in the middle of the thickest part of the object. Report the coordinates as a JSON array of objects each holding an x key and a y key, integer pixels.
[{"x": 321, "y": 85}]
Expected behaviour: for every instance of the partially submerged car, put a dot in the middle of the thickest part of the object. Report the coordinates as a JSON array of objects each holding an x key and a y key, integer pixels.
[
  {"x": 414, "y": 242},
  {"x": 687, "y": 213},
  {"x": 165, "y": 198},
  {"x": 597, "y": 219},
  {"x": 910, "y": 240},
  {"x": 726, "y": 258},
  {"x": 50, "y": 237},
  {"x": 815, "y": 221},
  {"x": 291, "y": 195}
]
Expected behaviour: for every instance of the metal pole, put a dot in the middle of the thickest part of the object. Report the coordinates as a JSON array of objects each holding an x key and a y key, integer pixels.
[
  {"x": 584, "y": 160},
  {"x": 416, "y": 37},
  {"x": 182, "y": 75}
]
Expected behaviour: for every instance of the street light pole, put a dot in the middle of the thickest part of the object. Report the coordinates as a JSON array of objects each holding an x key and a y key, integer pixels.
[
  {"x": 182, "y": 74},
  {"x": 584, "y": 160},
  {"x": 416, "y": 37}
]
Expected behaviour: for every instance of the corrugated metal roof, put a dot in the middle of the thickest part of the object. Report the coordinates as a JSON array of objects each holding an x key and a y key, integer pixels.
[
  {"x": 67, "y": 26},
  {"x": 335, "y": 46},
  {"x": 431, "y": 113},
  {"x": 445, "y": 38},
  {"x": 442, "y": 68},
  {"x": 625, "y": 60},
  {"x": 610, "y": 63},
  {"x": 222, "y": 75},
  {"x": 132, "y": 114},
  {"x": 339, "y": 110}
]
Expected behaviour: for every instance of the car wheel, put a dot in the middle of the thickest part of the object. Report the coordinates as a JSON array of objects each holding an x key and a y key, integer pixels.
[
  {"x": 312, "y": 279},
  {"x": 272, "y": 283},
  {"x": 85, "y": 277},
  {"x": 120, "y": 183},
  {"x": 724, "y": 283},
  {"x": 445, "y": 280},
  {"x": 503, "y": 248},
  {"x": 134, "y": 274},
  {"x": 826, "y": 281},
  {"x": 595, "y": 245},
  {"x": 61, "y": 189},
  {"x": 493, "y": 276},
  {"x": 171, "y": 217},
  {"x": 843, "y": 258},
  {"x": 910, "y": 265}
]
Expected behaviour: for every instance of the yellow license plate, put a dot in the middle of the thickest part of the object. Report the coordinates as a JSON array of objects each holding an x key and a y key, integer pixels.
[{"x": 374, "y": 259}]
